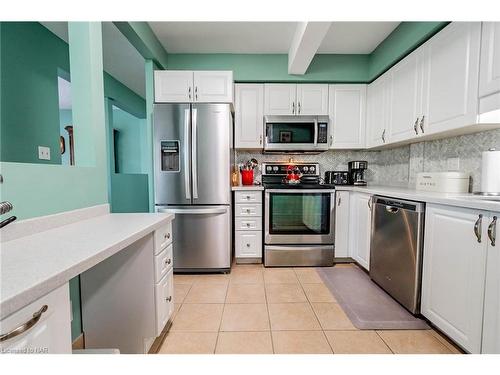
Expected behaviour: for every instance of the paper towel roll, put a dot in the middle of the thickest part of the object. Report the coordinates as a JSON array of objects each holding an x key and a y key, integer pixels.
[{"x": 490, "y": 172}]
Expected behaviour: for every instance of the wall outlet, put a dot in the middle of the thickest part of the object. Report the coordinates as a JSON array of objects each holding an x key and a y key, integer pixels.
[
  {"x": 43, "y": 153},
  {"x": 453, "y": 164}
]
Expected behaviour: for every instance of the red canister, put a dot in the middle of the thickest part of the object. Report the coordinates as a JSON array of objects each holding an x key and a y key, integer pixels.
[{"x": 247, "y": 176}]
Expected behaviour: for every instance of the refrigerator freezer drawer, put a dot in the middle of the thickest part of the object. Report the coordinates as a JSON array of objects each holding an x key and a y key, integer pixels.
[{"x": 202, "y": 237}]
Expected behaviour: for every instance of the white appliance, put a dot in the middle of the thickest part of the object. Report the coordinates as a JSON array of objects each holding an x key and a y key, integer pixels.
[
  {"x": 443, "y": 182},
  {"x": 490, "y": 172}
]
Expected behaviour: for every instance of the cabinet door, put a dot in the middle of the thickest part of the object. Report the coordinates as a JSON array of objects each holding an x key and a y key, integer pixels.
[
  {"x": 213, "y": 86},
  {"x": 406, "y": 88},
  {"x": 489, "y": 74},
  {"x": 454, "y": 273},
  {"x": 451, "y": 78},
  {"x": 280, "y": 99},
  {"x": 173, "y": 86},
  {"x": 491, "y": 324},
  {"x": 342, "y": 224},
  {"x": 312, "y": 99},
  {"x": 360, "y": 228},
  {"x": 164, "y": 294},
  {"x": 248, "y": 244},
  {"x": 50, "y": 333},
  {"x": 347, "y": 110},
  {"x": 378, "y": 107},
  {"x": 249, "y": 116}
]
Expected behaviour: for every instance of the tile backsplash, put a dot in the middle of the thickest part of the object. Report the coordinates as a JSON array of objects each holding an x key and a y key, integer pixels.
[{"x": 399, "y": 166}]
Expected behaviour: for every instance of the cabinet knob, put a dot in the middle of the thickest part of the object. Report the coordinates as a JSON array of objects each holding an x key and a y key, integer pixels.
[
  {"x": 168, "y": 261},
  {"x": 248, "y": 197},
  {"x": 248, "y": 245},
  {"x": 248, "y": 225},
  {"x": 248, "y": 210},
  {"x": 166, "y": 236},
  {"x": 168, "y": 299}
]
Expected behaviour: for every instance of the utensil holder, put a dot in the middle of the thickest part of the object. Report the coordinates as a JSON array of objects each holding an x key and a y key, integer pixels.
[{"x": 247, "y": 177}]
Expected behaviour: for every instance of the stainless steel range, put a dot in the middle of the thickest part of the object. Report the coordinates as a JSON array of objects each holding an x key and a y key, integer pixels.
[{"x": 299, "y": 216}]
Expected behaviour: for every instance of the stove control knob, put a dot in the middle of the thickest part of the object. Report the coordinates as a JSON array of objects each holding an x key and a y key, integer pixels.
[
  {"x": 305, "y": 169},
  {"x": 275, "y": 168},
  {"x": 312, "y": 169},
  {"x": 269, "y": 168}
]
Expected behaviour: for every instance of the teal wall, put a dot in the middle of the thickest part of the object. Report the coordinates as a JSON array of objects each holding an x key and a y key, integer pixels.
[{"x": 31, "y": 56}]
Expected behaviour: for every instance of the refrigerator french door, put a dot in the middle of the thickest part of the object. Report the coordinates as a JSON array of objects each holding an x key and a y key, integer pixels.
[{"x": 192, "y": 149}]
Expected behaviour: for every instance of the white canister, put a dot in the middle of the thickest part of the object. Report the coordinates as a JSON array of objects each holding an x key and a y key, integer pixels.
[{"x": 490, "y": 172}]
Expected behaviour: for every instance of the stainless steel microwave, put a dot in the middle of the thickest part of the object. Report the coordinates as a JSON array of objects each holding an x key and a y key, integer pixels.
[{"x": 296, "y": 134}]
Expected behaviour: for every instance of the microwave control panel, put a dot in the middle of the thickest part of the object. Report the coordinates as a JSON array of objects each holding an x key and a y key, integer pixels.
[{"x": 322, "y": 132}]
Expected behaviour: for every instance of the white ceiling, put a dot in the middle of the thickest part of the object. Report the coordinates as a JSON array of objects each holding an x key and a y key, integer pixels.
[
  {"x": 265, "y": 37},
  {"x": 120, "y": 58}
]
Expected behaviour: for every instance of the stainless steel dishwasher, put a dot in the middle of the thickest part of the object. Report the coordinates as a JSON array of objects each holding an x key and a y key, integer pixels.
[{"x": 396, "y": 249}]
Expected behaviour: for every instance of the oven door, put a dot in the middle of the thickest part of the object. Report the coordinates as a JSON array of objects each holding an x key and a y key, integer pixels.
[{"x": 302, "y": 216}]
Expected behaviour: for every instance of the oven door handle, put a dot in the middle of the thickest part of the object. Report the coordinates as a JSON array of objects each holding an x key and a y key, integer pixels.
[
  {"x": 298, "y": 247},
  {"x": 300, "y": 191}
]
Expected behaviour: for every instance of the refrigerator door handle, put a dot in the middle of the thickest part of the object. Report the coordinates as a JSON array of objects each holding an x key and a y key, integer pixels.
[
  {"x": 194, "y": 147},
  {"x": 193, "y": 211},
  {"x": 187, "y": 181}
]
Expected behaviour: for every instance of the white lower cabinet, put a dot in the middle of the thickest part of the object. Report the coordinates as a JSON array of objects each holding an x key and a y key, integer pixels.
[
  {"x": 360, "y": 228},
  {"x": 44, "y": 326},
  {"x": 342, "y": 224},
  {"x": 248, "y": 226},
  {"x": 456, "y": 253},
  {"x": 164, "y": 293}
]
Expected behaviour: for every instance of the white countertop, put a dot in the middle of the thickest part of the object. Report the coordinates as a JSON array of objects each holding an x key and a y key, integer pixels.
[
  {"x": 461, "y": 200},
  {"x": 34, "y": 265},
  {"x": 247, "y": 187}
]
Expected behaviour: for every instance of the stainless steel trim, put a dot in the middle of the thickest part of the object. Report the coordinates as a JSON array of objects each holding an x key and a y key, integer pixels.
[
  {"x": 194, "y": 152},
  {"x": 187, "y": 179},
  {"x": 299, "y": 255},
  {"x": 415, "y": 126},
  {"x": 196, "y": 93},
  {"x": 478, "y": 227},
  {"x": 492, "y": 228},
  {"x": 299, "y": 108},
  {"x": 422, "y": 124},
  {"x": 193, "y": 211},
  {"x": 189, "y": 92},
  {"x": 293, "y": 107},
  {"x": 383, "y": 136},
  {"x": 25, "y": 326}
]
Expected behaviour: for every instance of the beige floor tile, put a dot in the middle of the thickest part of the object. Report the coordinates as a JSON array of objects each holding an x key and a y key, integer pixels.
[
  {"x": 281, "y": 293},
  {"x": 447, "y": 342},
  {"x": 280, "y": 276},
  {"x": 198, "y": 317},
  {"x": 184, "y": 279},
  {"x": 255, "y": 266},
  {"x": 345, "y": 265},
  {"x": 177, "y": 306},
  {"x": 318, "y": 293},
  {"x": 189, "y": 343},
  {"x": 308, "y": 276},
  {"x": 251, "y": 275},
  {"x": 356, "y": 342},
  {"x": 246, "y": 293},
  {"x": 292, "y": 317},
  {"x": 300, "y": 342},
  {"x": 180, "y": 292},
  {"x": 245, "y": 317},
  {"x": 413, "y": 342},
  {"x": 207, "y": 293},
  {"x": 332, "y": 317},
  {"x": 218, "y": 278},
  {"x": 244, "y": 343}
]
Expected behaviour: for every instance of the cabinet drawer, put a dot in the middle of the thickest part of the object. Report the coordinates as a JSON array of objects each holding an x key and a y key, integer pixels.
[
  {"x": 248, "y": 244},
  {"x": 163, "y": 262},
  {"x": 248, "y": 210},
  {"x": 250, "y": 223},
  {"x": 164, "y": 301},
  {"x": 248, "y": 196},
  {"x": 163, "y": 237}
]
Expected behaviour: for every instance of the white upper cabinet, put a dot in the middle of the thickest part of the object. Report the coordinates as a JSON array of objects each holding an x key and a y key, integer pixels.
[
  {"x": 489, "y": 76},
  {"x": 405, "y": 101},
  {"x": 173, "y": 86},
  {"x": 453, "y": 274},
  {"x": 185, "y": 86},
  {"x": 347, "y": 111},
  {"x": 249, "y": 115},
  {"x": 312, "y": 99},
  {"x": 378, "y": 111},
  {"x": 295, "y": 99},
  {"x": 280, "y": 99},
  {"x": 451, "y": 78},
  {"x": 213, "y": 86}
]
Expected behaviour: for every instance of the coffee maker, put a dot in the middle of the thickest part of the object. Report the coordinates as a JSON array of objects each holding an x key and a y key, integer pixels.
[{"x": 357, "y": 172}]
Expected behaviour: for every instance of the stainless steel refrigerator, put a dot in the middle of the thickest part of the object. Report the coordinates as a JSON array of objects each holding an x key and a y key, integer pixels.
[{"x": 192, "y": 159}]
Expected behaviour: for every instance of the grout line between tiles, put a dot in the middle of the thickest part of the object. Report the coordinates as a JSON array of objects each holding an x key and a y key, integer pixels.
[
  {"x": 386, "y": 344},
  {"x": 269, "y": 317},
  {"x": 220, "y": 322}
]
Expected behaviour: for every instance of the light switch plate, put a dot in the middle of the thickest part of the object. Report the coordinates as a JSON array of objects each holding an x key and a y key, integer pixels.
[
  {"x": 43, "y": 153},
  {"x": 453, "y": 164}
]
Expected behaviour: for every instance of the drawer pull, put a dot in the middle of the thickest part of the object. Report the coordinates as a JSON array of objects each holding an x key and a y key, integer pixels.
[
  {"x": 168, "y": 261},
  {"x": 477, "y": 228},
  {"x": 248, "y": 245},
  {"x": 248, "y": 197},
  {"x": 166, "y": 236},
  {"x": 168, "y": 299},
  {"x": 248, "y": 225},
  {"x": 492, "y": 230},
  {"x": 26, "y": 326},
  {"x": 248, "y": 210}
]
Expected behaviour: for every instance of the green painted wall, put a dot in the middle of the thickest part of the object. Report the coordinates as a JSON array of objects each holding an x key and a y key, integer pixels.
[
  {"x": 31, "y": 56},
  {"x": 130, "y": 192}
]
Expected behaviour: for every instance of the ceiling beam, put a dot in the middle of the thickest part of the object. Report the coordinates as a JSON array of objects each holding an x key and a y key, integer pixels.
[{"x": 306, "y": 41}]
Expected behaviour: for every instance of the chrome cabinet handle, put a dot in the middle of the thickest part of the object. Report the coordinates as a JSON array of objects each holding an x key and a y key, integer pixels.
[
  {"x": 189, "y": 92},
  {"x": 293, "y": 108},
  {"x": 196, "y": 92},
  {"x": 422, "y": 124},
  {"x": 383, "y": 136},
  {"x": 492, "y": 229},
  {"x": 340, "y": 200},
  {"x": 370, "y": 203},
  {"x": 478, "y": 227},
  {"x": 299, "y": 108},
  {"x": 26, "y": 326},
  {"x": 260, "y": 139},
  {"x": 415, "y": 126},
  {"x": 331, "y": 140},
  {"x": 168, "y": 261},
  {"x": 168, "y": 299},
  {"x": 166, "y": 236}
]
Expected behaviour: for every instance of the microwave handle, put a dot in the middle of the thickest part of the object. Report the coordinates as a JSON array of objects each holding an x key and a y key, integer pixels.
[{"x": 316, "y": 132}]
